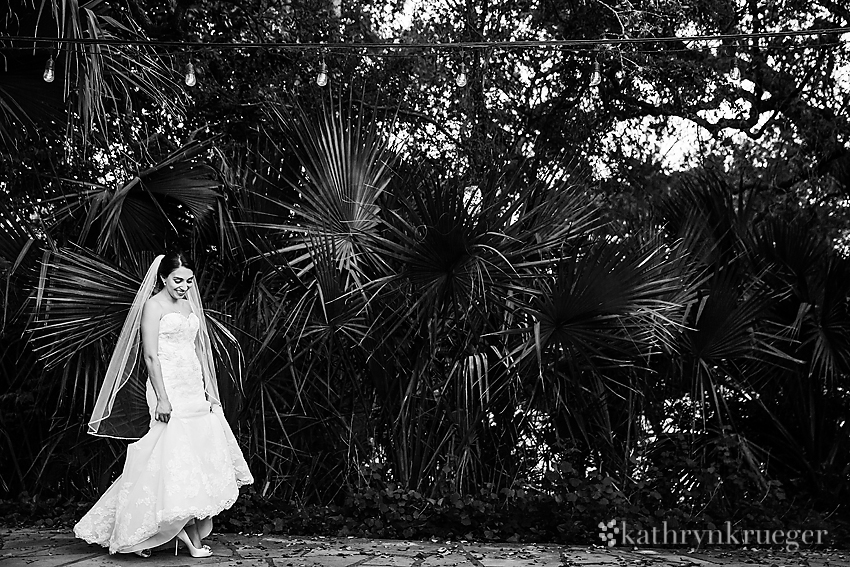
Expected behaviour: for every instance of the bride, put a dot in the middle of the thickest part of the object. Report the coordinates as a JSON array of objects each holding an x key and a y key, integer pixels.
[{"x": 160, "y": 390}]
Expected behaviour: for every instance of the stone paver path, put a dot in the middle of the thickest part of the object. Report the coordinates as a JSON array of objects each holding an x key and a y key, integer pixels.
[{"x": 59, "y": 548}]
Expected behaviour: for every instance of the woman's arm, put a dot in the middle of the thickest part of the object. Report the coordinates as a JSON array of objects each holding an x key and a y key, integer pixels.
[{"x": 151, "y": 313}]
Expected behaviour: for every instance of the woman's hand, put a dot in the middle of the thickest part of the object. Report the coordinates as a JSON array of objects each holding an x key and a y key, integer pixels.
[{"x": 163, "y": 410}]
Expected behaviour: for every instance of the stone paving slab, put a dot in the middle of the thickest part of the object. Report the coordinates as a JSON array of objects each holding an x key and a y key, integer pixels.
[{"x": 59, "y": 548}]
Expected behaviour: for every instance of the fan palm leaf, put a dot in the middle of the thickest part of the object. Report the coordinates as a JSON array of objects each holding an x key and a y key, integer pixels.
[
  {"x": 453, "y": 256},
  {"x": 813, "y": 286},
  {"x": 168, "y": 197},
  {"x": 803, "y": 403},
  {"x": 829, "y": 334},
  {"x": 602, "y": 302},
  {"x": 82, "y": 300},
  {"x": 344, "y": 162},
  {"x": 582, "y": 343}
]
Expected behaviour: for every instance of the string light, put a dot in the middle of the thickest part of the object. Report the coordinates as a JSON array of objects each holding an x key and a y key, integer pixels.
[
  {"x": 388, "y": 48},
  {"x": 49, "y": 71},
  {"x": 596, "y": 75},
  {"x": 191, "y": 80},
  {"x": 398, "y": 45},
  {"x": 735, "y": 71},
  {"x": 461, "y": 79},
  {"x": 322, "y": 77}
]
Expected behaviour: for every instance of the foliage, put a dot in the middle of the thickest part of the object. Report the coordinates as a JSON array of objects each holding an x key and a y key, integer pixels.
[
  {"x": 567, "y": 511},
  {"x": 465, "y": 340},
  {"x": 440, "y": 311}
]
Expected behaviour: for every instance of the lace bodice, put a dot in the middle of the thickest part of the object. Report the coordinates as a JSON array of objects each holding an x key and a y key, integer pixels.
[
  {"x": 174, "y": 335},
  {"x": 181, "y": 370}
]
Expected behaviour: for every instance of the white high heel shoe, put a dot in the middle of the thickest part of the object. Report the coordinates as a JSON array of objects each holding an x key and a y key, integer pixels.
[{"x": 203, "y": 551}]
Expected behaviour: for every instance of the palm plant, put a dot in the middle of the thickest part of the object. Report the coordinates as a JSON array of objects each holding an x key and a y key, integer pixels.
[
  {"x": 746, "y": 351},
  {"x": 458, "y": 328},
  {"x": 804, "y": 404},
  {"x": 411, "y": 334},
  {"x": 316, "y": 241}
]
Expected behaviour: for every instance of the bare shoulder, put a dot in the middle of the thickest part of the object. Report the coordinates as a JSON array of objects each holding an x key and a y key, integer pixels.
[
  {"x": 152, "y": 309},
  {"x": 149, "y": 326}
]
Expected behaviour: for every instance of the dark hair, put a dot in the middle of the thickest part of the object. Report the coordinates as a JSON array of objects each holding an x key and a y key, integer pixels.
[{"x": 173, "y": 260}]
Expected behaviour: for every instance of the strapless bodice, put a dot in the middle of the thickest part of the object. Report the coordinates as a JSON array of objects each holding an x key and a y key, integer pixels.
[
  {"x": 176, "y": 332},
  {"x": 178, "y": 361}
]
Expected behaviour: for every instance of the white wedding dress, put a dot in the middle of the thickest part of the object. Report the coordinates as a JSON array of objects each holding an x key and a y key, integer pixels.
[{"x": 190, "y": 468}]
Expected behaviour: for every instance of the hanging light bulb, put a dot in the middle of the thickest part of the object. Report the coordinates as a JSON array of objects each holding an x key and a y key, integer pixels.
[
  {"x": 191, "y": 80},
  {"x": 596, "y": 75},
  {"x": 735, "y": 71},
  {"x": 461, "y": 79},
  {"x": 49, "y": 72},
  {"x": 322, "y": 77}
]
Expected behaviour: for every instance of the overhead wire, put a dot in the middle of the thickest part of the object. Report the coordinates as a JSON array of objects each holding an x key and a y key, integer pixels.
[
  {"x": 594, "y": 48},
  {"x": 398, "y": 45},
  {"x": 371, "y": 51}
]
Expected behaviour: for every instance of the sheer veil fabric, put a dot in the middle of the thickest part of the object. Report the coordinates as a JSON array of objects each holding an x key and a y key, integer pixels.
[{"x": 121, "y": 410}]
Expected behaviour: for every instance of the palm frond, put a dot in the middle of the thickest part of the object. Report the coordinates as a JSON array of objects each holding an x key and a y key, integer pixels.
[
  {"x": 607, "y": 300},
  {"x": 166, "y": 198},
  {"x": 85, "y": 300},
  {"x": 344, "y": 167}
]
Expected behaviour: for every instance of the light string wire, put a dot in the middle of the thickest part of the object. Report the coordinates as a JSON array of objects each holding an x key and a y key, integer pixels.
[
  {"x": 502, "y": 45},
  {"x": 774, "y": 49},
  {"x": 696, "y": 51},
  {"x": 573, "y": 50}
]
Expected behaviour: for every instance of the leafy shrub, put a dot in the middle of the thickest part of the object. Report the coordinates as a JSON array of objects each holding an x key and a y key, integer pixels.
[
  {"x": 669, "y": 485},
  {"x": 675, "y": 488}
]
